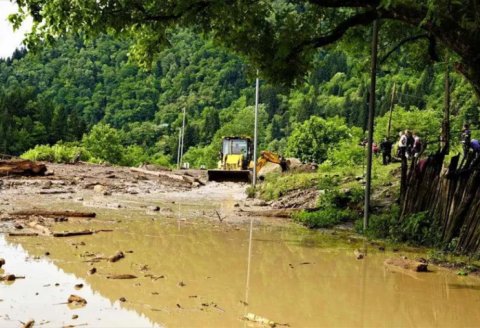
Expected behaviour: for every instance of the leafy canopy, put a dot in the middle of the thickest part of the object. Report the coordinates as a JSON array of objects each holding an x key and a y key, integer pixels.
[{"x": 279, "y": 36}]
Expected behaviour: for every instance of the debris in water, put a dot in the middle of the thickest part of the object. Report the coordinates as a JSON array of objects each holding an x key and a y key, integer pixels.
[
  {"x": 28, "y": 324},
  {"x": 2, "y": 262},
  {"x": 121, "y": 276},
  {"x": 78, "y": 286},
  {"x": 258, "y": 319},
  {"x": 122, "y": 299},
  {"x": 55, "y": 213},
  {"x": 406, "y": 264},
  {"x": 358, "y": 254},
  {"x": 117, "y": 257},
  {"x": 75, "y": 316},
  {"x": 73, "y": 233},
  {"x": 76, "y": 300},
  {"x": 10, "y": 277}
]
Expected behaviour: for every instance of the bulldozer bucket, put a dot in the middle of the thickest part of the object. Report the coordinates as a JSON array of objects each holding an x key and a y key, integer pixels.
[{"x": 226, "y": 175}]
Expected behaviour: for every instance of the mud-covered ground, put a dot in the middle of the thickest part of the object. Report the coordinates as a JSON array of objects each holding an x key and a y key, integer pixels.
[{"x": 180, "y": 194}]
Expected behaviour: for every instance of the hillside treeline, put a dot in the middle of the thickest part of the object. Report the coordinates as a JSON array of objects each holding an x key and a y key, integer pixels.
[{"x": 88, "y": 99}]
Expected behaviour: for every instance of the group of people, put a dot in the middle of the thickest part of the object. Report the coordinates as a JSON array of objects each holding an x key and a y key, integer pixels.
[{"x": 409, "y": 146}]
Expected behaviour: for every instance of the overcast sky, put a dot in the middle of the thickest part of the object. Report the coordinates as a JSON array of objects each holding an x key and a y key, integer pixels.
[{"x": 9, "y": 40}]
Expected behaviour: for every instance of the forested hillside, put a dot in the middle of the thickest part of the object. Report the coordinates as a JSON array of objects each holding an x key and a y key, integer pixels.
[{"x": 89, "y": 98}]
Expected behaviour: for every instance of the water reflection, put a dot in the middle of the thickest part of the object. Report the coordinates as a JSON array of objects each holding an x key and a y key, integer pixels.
[{"x": 43, "y": 294}]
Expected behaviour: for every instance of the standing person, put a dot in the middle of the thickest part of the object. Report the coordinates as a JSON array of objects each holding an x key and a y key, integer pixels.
[
  {"x": 375, "y": 149},
  {"x": 475, "y": 145},
  {"x": 402, "y": 145},
  {"x": 465, "y": 138},
  {"x": 417, "y": 145},
  {"x": 410, "y": 142},
  {"x": 386, "y": 149}
]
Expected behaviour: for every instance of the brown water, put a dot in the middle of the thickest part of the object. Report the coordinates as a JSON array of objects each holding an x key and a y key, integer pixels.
[{"x": 295, "y": 276}]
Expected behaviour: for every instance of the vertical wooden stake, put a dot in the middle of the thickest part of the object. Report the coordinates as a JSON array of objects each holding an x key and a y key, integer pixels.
[{"x": 371, "y": 114}]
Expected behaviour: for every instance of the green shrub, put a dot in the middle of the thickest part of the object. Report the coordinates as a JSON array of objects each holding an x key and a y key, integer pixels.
[
  {"x": 419, "y": 228},
  {"x": 347, "y": 153},
  {"x": 160, "y": 159},
  {"x": 250, "y": 191},
  {"x": 58, "y": 153},
  {"x": 104, "y": 143},
  {"x": 134, "y": 155},
  {"x": 324, "y": 218},
  {"x": 379, "y": 226}
]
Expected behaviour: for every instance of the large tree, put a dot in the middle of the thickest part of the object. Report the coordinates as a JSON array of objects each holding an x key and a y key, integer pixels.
[{"x": 279, "y": 36}]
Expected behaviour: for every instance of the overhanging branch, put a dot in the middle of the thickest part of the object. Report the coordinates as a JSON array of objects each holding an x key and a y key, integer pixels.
[
  {"x": 364, "y": 18},
  {"x": 431, "y": 48}
]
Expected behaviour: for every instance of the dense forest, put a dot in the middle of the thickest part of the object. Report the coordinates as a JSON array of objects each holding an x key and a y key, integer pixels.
[{"x": 92, "y": 102}]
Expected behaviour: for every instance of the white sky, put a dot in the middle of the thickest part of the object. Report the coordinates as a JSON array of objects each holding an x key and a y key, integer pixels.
[{"x": 9, "y": 40}]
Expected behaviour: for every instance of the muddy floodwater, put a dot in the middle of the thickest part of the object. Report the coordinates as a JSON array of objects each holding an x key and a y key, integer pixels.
[{"x": 206, "y": 273}]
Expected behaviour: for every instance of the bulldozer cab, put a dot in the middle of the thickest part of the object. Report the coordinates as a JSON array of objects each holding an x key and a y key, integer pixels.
[
  {"x": 235, "y": 157},
  {"x": 236, "y": 153}
]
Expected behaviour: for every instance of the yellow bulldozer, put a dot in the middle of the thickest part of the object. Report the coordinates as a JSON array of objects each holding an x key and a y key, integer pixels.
[{"x": 236, "y": 160}]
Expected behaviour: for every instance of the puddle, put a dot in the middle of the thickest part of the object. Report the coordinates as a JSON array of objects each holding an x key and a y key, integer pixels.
[
  {"x": 199, "y": 274},
  {"x": 40, "y": 296}
]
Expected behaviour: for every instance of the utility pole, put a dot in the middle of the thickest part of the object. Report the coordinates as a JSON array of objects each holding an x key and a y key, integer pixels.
[
  {"x": 257, "y": 86},
  {"x": 179, "y": 145},
  {"x": 391, "y": 111},
  {"x": 371, "y": 114},
  {"x": 183, "y": 136}
]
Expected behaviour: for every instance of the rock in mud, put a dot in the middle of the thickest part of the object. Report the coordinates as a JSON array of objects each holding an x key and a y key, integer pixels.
[
  {"x": 122, "y": 299},
  {"x": 358, "y": 254},
  {"x": 259, "y": 202},
  {"x": 28, "y": 324},
  {"x": 47, "y": 184},
  {"x": 75, "y": 316},
  {"x": 406, "y": 264},
  {"x": 117, "y": 257},
  {"x": 154, "y": 208},
  {"x": 2, "y": 262},
  {"x": 78, "y": 286},
  {"x": 92, "y": 271},
  {"x": 18, "y": 226},
  {"x": 99, "y": 188},
  {"x": 76, "y": 300}
]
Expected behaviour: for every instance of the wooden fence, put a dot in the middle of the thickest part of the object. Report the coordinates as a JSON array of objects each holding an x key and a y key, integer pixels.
[{"x": 451, "y": 195}]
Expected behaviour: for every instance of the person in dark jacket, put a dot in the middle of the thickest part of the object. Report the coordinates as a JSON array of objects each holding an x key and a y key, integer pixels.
[
  {"x": 466, "y": 138},
  {"x": 386, "y": 149}
]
